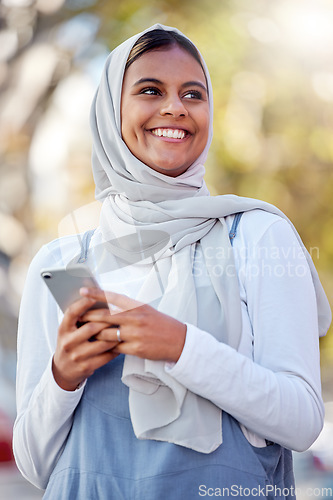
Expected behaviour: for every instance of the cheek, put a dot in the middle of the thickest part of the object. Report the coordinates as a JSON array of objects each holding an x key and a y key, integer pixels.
[
  {"x": 204, "y": 122},
  {"x": 133, "y": 119},
  {"x": 207, "y": 118},
  {"x": 127, "y": 127},
  {"x": 128, "y": 118}
]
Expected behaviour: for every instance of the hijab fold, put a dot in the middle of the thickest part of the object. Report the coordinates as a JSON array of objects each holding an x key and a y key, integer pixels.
[{"x": 150, "y": 217}]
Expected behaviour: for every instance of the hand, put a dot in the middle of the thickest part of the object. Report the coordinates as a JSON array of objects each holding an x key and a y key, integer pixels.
[
  {"x": 76, "y": 358},
  {"x": 145, "y": 332}
]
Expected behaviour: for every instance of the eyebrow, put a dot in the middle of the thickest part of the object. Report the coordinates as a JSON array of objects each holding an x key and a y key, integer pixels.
[{"x": 159, "y": 82}]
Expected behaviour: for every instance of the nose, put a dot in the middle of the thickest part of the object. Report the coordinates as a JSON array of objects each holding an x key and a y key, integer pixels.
[{"x": 173, "y": 106}]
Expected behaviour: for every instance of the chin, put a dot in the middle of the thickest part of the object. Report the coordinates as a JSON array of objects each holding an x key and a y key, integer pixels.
[
  {"x": 168, "y": 168},
  {"x": 171, "y": 171}
]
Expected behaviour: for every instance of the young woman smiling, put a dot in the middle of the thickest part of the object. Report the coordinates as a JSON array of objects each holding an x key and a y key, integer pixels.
[{"x": 204, "y": 372}]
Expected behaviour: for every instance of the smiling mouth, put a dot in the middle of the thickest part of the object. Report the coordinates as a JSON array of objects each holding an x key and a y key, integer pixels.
[{"x": 171, "y": 133}]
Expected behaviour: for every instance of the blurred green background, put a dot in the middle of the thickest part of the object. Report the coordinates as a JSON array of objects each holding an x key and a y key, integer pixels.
[
  {"x": 272, "y": 69},
  {"x": 271, "y": 65}
]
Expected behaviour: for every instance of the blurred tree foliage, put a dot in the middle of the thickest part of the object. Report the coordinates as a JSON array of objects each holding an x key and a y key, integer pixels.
[{"x": 273, "y": 105}]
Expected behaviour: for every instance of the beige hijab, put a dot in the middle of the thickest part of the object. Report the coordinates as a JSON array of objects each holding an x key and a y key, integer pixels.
[{"x": 148, "y": 216}]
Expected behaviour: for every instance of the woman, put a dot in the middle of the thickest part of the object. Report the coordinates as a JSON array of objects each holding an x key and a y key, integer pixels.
[{"x": 220, "y": 378}]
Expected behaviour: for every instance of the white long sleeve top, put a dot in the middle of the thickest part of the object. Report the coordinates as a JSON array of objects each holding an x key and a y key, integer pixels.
[{"x": 271, "y": 385}]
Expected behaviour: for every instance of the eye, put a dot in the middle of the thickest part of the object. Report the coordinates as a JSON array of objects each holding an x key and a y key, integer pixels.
[
  {"x": 193, "y": 94},
  {"x": 150, "y": 91}
]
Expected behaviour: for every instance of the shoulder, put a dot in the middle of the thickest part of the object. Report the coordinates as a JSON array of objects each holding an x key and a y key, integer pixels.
[
  {"x": 258, "y": 216},
  {"x": 55, "y": 254},
  {"x": 256, "y": 223},
  {"x": 58, "y": 252},
  {"x": 62, "y": 251}
]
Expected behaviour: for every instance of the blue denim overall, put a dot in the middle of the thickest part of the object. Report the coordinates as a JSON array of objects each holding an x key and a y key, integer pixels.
[{"x": 103, "y": 460}]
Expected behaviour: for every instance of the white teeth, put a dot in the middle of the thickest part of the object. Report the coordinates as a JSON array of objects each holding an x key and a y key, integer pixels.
[{"x": 169, "y": 132}]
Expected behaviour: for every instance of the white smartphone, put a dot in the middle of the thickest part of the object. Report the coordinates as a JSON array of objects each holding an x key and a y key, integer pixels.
[{"x": 65, "y": 284}]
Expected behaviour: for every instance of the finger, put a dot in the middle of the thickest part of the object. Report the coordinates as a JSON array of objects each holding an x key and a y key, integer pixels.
[
  {"x": 111, "y": 335},
  {"x": 88, "y": 330},
  {"x": 97, "y": 315},
  {"x": 103, "y": 316},
  {"x": 123, "y": 348},
  {"x": 74, "y": 311},
  {"x": 92, "y": 349},
  {"x": 117, "y": 299},
  {"x": 80, "y": 336},
  {"x": 111, "y": 320}
]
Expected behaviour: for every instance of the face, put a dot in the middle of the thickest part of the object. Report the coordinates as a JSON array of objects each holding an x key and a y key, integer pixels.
[{"x": 165, "y": 110}]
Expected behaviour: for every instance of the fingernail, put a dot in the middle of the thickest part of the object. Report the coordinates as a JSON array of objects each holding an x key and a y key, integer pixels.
[{"x": 84, "y": 291}]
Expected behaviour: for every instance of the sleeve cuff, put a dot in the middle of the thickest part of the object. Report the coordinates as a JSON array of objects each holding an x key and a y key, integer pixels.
[
  {"x": 184, "y": 362},
  {"x": 69, "y": 398}
]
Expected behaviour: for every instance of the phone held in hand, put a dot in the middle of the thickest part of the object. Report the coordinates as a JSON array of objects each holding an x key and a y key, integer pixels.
[{"x": 65, "y": 284}]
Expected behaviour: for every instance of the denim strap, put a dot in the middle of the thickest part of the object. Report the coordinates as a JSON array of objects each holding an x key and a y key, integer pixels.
[
  {"x": 85, "y": 242},
  {"x": 233, "y": 230}
]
